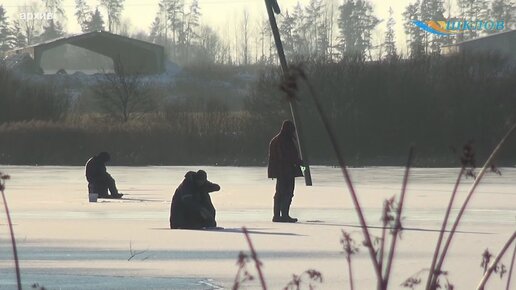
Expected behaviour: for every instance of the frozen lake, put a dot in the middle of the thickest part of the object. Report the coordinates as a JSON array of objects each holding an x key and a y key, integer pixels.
[{"x": 67, "y": 243}]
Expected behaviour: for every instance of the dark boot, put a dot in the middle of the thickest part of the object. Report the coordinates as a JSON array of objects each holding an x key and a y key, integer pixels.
[
  {"x": 112, "y": 188},
  {"x": 277, "y": 211},
  {"x": 286, "y": 209}
]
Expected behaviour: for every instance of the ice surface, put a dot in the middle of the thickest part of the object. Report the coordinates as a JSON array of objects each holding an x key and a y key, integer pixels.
[{"x": 65, "y": 242}]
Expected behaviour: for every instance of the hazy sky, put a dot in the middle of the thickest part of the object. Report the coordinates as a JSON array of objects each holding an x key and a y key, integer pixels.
[{"x": 222, "y": 14}]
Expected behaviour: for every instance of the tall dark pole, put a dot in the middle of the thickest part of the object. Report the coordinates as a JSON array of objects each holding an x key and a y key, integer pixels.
[{"x": 270, "y": 4}]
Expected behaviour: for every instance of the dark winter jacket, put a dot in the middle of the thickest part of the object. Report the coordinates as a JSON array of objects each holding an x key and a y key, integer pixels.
[
  {"x": 96, "y": 170},
  {"x": 284, "y": 158},
  {"x": 191, "y": 206}
]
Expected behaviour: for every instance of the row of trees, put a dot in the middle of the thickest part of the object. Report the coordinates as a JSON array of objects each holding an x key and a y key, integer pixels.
[
  {"x": 436, "y": 102},
  {"x": 178, "y": 28},
  {"x": 311, "y": 31},
  {"x": 327, "y": 29}
]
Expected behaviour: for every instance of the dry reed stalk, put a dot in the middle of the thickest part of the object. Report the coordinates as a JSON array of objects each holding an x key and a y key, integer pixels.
[
  {"x": 493, "y": 264},
  {"x": 3, "y": 178},
  {"x": 481, "y": 174},
  {"x": 254, "y": 256},
  {"x": 397, "y": 222}
]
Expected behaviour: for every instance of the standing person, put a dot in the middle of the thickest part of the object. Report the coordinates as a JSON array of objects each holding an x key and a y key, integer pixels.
[
  {"x": 191, "y": 206},
  {"x": 285, "y": 166},
  {"x": 99, "y": 181}
]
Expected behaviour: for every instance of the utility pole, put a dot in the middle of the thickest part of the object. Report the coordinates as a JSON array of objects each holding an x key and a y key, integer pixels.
[{"x": 272, "y": 6}]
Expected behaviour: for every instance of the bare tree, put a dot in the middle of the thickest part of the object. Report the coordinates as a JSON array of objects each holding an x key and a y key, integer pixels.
[
  {"x": 265, "y": 32},
  {"x": 125, "y": 27},
  {"x": 157, "y": 31},
  {"x": 114, "y": 10},
  {"x": 120, "y": 94},
  {"x": 211, "y": 47},
  {"x": 83, "y": 13},
  {"x": 237, "y": 51},
  {"x": 331, "y": 15},
  {"x": 173, "y": 12},
  {"x": 390, "y": 37},
  {"x": 299, "y": 33},
  {"x": 315, "y": 26},
  {"x": 191, "y": 27},
  {"x": 245, "y": 37},
  {"x": 30, "y": 25},
  {"x": 55, "y": 8},
  {"x": 286, "y": 28}
]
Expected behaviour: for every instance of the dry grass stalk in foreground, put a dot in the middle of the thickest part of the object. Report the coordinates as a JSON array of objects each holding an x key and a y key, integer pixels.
[
  {"x": 494, "y": 263},
  {"x": 290, "y": 87},
  {"x": 499, "y": 268},
  {"x": 511, "y": 268},
  {"x": 254, "y": 256},
  {"x": 397, "y": 223},
  {"x": 435, "y": 271},
  {"x": 243, "y": 274},
  {"x": 467, "y": 166},
  {"x": 350, "y": 248},
  {"x": 297, "y": 280},
  {"x": 38, "y": 287},
  {"x": 445, "y": 221},
  {"x": 3, "y": 178}
]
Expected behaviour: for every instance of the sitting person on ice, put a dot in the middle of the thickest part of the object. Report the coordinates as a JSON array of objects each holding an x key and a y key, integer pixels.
[
  {"x": 99, "y": 181},
  {"x": 191, "y": 206}
]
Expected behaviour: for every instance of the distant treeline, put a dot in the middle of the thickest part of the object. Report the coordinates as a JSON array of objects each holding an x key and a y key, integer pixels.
[
  {"x": 327, "y": 29},
  {"x": 378, "y": 109},
  {"x": 438, "y": 103}
]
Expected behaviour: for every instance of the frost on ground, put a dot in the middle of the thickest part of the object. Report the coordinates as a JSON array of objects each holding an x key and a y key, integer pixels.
[{"x": 67, "y": 243}]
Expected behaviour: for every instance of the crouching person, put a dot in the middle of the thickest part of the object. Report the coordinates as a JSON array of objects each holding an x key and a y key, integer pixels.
[
  {"x": 99, "y": 181},
  {"x": 191, "y": 206}
]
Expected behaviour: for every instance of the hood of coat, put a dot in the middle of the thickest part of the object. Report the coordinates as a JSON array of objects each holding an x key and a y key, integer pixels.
[
  {"x": 196, "y": 179},
  {"x": 190, "y": 176},
  {"x": 288, "y": 129},
  {"x": 103, "y": 157}
]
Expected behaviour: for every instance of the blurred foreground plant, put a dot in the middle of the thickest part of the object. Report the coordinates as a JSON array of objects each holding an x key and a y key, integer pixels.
[
  {"x": 297, "y": 280},
  {"x": 350, "y": 248},
  {"x": 494, "y": 265},
  {"x": 243, "y": 275},
  {"x": 3, "y": 178},
  {"x": 440, "y": 255}
]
